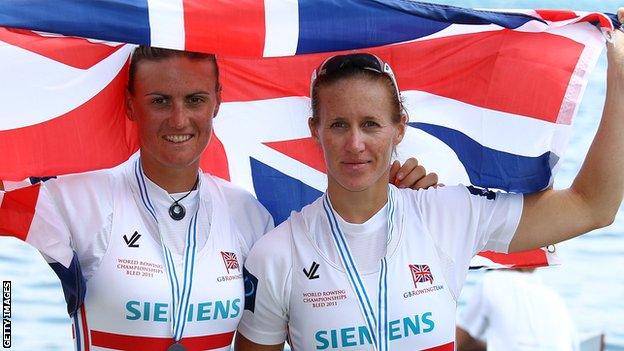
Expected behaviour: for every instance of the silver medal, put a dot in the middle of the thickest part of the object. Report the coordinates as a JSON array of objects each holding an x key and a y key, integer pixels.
[{"x": 176, "y": 347}]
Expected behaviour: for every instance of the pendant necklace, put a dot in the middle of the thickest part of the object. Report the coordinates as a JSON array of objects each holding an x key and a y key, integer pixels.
[
  {"x": 177, "y": 211},
  {"x": 180, "y": 283}
]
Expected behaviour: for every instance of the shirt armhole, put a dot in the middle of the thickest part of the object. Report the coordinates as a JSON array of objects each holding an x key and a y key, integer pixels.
[
  {"x": 501, "y": 243},
  {"x": 263, "y": 325},
  {"x": 106, "y": 231}
]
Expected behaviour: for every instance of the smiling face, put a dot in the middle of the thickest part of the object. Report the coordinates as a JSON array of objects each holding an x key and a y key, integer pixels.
[
  {"x": 357, "y": 132},
  {"x": 173, "y": 102}
]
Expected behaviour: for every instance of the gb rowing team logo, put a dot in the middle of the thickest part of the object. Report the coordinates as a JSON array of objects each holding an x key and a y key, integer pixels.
[
  {"x": 230, "y": 261},
  {"x": 420, "y": 273},
  {"x": 232, "y": 267}
]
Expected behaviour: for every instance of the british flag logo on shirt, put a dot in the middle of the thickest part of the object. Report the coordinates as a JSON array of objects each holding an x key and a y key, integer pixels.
[
  {"x": 421, "y": 273},
  {"x": 230, "y": 261}
]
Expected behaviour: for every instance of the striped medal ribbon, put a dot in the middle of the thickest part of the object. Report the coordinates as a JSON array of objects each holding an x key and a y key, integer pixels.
[
  {"x": 376, "y": 321},
  {"x": 180, "y": 284}
]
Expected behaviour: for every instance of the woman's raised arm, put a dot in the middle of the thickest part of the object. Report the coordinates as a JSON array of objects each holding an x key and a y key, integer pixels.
[{"x": 552, "y": 216}]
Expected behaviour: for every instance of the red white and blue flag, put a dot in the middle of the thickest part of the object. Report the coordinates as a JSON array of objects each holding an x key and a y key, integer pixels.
[
  {"x": 230, "y": 261},
  {"x": 491, "y": 94},
  {"x": 421, "y": 273}
]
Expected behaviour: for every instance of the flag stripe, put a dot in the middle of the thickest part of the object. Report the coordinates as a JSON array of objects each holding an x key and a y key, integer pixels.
[
  {"x": 282, "y": 28},
  {"x": 59, "y": 48},
  {"x": 532, "y": 258},
  {"x": 225, "y": 27},
  {"x": 122, "y": 21},
  {"x": 40, "y": 72},
  {"x": 497, "y": 169},
  {"x": 166, "y": 19},
  {"x": 81, "y": 147},
  {"x": 320, "y": 25},
  {"x": 563, "y": 15},
  {"x": 215, "y": 162},
  {"x": 481, "y": 72},
  {"x": 495, "y": 70},
  {"x": 17, "y": 211},
  {"x": 556, "y": 15},
  {"x": 490, "y": 128},
  {"x": 332, "y": 25},
  {"x": 305, "y": 150},
  {"x": 329, "y": 25},
  {"x": 279, "y": 193}
]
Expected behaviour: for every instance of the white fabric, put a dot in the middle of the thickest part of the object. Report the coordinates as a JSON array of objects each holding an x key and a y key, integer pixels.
[
  {"x": 141, "y": 304},
  {"x": 81, "y": 206},
  {"x": 516, "y": 311},
  {"x": 175, "y": 231},
  {"x": 367, "y": 241},
  {"x": 90, "y": 213},
  {"x": 441, "y": 228}
]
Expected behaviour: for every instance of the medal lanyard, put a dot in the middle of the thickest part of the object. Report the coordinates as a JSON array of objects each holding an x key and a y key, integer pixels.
[
  {"x": 180, "y": 284},
  {"x": 376, "y": 321}
]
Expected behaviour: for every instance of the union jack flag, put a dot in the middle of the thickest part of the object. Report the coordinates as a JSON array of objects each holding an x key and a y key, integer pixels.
[
  {"x": 471, "y": 79},
  {"x": 230, "y": 261},
  {"x": 421, "y": 273}
]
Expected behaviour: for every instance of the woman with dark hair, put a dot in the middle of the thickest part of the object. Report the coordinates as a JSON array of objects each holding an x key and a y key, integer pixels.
[{"x": 370, "y": 266}]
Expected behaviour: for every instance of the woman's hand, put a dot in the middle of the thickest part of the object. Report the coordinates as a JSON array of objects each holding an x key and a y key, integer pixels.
[
  {"x": 412, "y": 175},
  {"x": 615, "y": 50}
]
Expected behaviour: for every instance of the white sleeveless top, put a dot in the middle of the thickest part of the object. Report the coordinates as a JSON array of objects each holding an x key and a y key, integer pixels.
[
  {"x": 297, "y": 287},
  {"x": 128, "y": 299},
  {"x": 95, "y": 232}
]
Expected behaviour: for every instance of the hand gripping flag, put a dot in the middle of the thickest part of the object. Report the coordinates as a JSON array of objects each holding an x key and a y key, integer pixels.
[{"x": 491, "y": 94}]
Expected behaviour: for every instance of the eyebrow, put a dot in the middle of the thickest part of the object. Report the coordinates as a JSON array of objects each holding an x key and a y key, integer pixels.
[{"x": 200, "y": 92}]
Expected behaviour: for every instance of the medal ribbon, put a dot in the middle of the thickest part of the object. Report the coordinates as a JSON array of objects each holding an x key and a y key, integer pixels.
[
  {"x": 180, "y": 291},
  {"x": 376, "y": 321}
]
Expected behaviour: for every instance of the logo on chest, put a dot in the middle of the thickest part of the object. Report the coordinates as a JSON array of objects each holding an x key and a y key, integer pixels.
[
  {"x": 311, "y": 272},
  {"x": 139, "y": 268},
  {"x": 133, "y": 239},
  {"x": 230, "y": 261},
  {"x": 327, "y": 298},
  {"x": 423, "y": 280},
  {"x": 421, "y": 273},
  {"x": 232, "y": 267}
]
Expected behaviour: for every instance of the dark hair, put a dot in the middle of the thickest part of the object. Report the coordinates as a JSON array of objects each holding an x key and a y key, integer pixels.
[
  {"x": 350, "y": 70},
  {"x": 149, "y": 53}
]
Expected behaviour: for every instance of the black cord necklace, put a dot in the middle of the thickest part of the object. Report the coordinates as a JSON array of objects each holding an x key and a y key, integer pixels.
[{"x": 177, "y": 211}]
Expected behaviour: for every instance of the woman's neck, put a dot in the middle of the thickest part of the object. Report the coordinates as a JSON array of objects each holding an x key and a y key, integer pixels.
[
  {"x": 357, "y": 206},
  {"x": 172, "y": 180}
]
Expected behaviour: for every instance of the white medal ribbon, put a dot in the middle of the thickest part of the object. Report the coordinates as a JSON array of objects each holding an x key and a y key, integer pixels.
[
  {"x": 376, "y": 321},
  {"x": 180, "y": 290}
]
